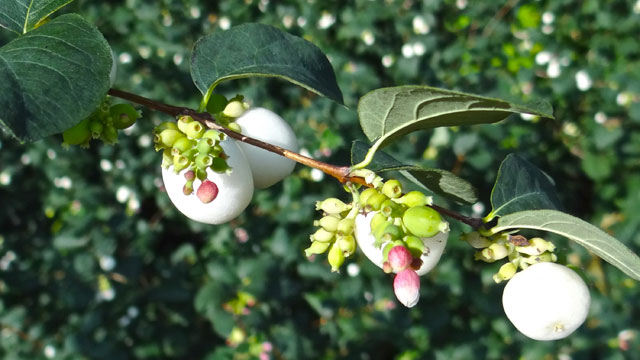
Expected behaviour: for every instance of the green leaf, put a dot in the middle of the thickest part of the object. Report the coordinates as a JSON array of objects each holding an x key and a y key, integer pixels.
[
  {"x": 389, "y": 113},
  {"x": 521, "y": 186},
  {"x": 594, "y": 239},
  {"x": 53, "y": 77},
  {"x": 441, "y": 182},
  {"x": 261, "y": 50},
  {"x": 21, "y": 16}
]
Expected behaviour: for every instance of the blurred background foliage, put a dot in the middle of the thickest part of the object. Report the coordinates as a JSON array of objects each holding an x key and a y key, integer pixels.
[{"x": 95, "y": 263}]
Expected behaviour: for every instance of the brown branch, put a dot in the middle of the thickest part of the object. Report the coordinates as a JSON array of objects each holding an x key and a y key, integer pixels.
[{"x": 341, "y": 173}]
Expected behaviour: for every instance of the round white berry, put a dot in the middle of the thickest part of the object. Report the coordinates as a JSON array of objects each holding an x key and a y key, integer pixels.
[
  {"x": 235, "y": 190},
  {"x": 262, "y": 124},
  {"x": 546, "y": 301},
  {"x": 434, "y": 245}
]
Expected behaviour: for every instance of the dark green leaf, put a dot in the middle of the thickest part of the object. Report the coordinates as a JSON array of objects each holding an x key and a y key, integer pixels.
[
  {"x": 261, "y": 50},
  {"x": 53, "y": 77},
  {"x": 439, "y": 181},
  {"x": 600, "y": 243},
  {"x": 21, "y": 16},
  {"x": 389, "y": 113},
  {"x": 522, "y": 186}
]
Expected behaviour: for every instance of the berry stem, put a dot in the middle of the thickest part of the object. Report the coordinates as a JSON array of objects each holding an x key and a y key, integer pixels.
[{"x": 341, "y": 173}]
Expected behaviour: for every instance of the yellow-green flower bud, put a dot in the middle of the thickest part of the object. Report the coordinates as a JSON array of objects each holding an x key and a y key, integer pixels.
[
  {"x": 377, "y": 220},
  {"x": 390, "y": 208},
  {"x": 235, "y": 127},
  {"x": 317, "y": 247},
  {"x": 182, "y": 144},
  {"x": 374, "y": 202},
  {"x": 234, "y": 109},
  {"x": 495, "y": 252},
  {"x": 195, "y": 130},
  {"x": 183, "y": 122},
  {"x": 168, "y": 137},
  {"x": 414, "y": 198},
  {"x": 322, "y": 235},
  {"x": 213, "y": 134},
  {"x": 335, "y": 257},
  {"x": 345, "y": 226},
  {"x": 365, "y": 194},
  {"x": 506, "y": 272},
  {"x": 332, "y": 206},
  {"x": 347, "y": 244},
  {"x": 536, "y": 246},
  {"x": 476, "y": 240},
  {"x": 179, "y": 163},
  {"x": 329, "y": 223}
]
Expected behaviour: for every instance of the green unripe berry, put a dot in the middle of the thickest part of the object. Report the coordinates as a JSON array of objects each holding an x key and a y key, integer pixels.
[
  {"x": 345, "y": 226},
  {"x": 317, "y": 247},
  {"x": 195, "y": 130},
  {"x": 374, "y": 202},
  {"x": 183, "y": 122},
  {"x": 78, "y": 134},
  {"x": 392, "y": 189},
  {"x": 216, "y": 103},
  {"x": 167, "y": 137},
  {"x": 124, "y": 115},
  {"x": 109, "y": 134},
  {"x": 365, "y": 194},
  {"x": 182, "y": 144},
  {"x": 329, "y": 223},
  {"x": 378, "y": 220},
  {"x": 205, "y": 145},
  {"x": 203, "y": 161},
  {"x": 179, "y": 163},
  {"x": 335, "y": 257},
  {"x": 96, "y": 128},
  {"x": 422, "y": 221},
  {"x": 165, "y": 125},
  {"x": 392, "y": 232},
  {"x": 414, "y": 198},
  {"x": 390, "y": 208},
  {"x": 213, "y": 134}
]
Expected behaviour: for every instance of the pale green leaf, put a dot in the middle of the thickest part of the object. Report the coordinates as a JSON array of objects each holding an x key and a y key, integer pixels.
[{"x": 592, "y": 238}]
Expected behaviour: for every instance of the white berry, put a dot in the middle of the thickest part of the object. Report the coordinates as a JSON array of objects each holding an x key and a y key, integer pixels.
[
  {"x": 262, "y": 124},
  {"x": 365, "y": 240},
  {"x": 546, "y": 301},
  {"x": 234, "y": 190}
]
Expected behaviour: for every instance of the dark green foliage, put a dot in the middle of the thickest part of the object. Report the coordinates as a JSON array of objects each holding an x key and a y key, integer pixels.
[{"x": 75, "y": 224}]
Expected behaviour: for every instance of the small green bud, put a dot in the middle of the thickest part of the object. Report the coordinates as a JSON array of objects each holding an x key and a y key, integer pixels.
[
  {"x": 332, "y": 206},
  {"x": 377, "y": 220},
  {"x": 195, "y": 130},
  {"x": 345, "y": 226},
  {"x": 347, "y": 244},
  {"x": 506, "y": 272},
  {"x": 213, "y": 134},
  {"x": 205, "y": 145},
  {"x": 179, "y": 163},
  {"x": 109, "y": 135},
  {"x": 414, "y": 198},
  {"x": 374, "y": 202},
  {"x": 329, "y": 223},
  {"x": 476, "y": 240},
  {"x": 317, "y": 247},
  {"x": 203, "y": 161},
  {"x": 335, "y": 257},
  {"x": 422, "y": 221},
  {"x": 365, "y": 194},
  {"x": 234, "y": 127},
  {"x": 392, "y": 232},
  {"x": 390, "y": 208},
  {"x": 234, "y": 109},
  {"x": 322, "y": 235},
  {"x": 167, "y": 158},
  {"x": 168, "y": 137},
  {"x": 183, "y": 123},
  {"x": 182, "y": 144},
  {"x": 96, "y": 127},
  {"x": 392, "y": 189},
  {"x": 165, "y": 125},
  {"x": 495, "y": 252}
]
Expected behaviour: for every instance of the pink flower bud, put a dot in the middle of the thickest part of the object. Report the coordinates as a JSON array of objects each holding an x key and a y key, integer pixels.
[
  {"x": 207, "y": 191},
  {"x": 406, "y": 286},
  {"x": 399, "y": 258}
]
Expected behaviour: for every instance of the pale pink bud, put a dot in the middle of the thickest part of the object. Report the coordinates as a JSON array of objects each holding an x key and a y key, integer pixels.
[
  {"x": 406, "y": 286},
  {"x": 399, "y": 258},
  {"x": 207, "y": 192}
]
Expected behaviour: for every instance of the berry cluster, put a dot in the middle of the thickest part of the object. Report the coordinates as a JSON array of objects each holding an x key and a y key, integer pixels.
[
  {"x": 398, "y": 232},
  {"x": 221, "y": 171},
  {"x": 520, "y": 252},
  {"x": 102, "y": 124}
]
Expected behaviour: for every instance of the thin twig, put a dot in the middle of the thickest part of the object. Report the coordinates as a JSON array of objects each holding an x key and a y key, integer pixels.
[{"x": 498, "y": 16}]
